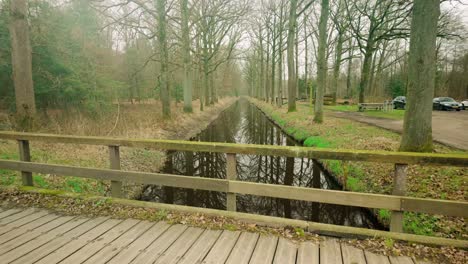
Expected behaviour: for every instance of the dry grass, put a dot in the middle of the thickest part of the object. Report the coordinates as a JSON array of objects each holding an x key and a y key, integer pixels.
[{"x": 140, "y": 120}]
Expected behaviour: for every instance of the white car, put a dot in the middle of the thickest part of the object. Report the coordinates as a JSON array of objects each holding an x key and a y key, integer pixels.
[{"x": 464, "y": 104}]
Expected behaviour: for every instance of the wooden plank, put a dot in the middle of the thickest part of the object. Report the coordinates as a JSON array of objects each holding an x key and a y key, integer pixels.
[
  {"x": 42, "y": 239},
  {"x": 399, "y": 188},
  {"x": 118, "y": 175},
  {"x": 270, "y": 190},
  {"x": 308, "y": 253},
  {"x": 97, "y": 244},
  {"x": 80, "y": 242},
  {"x": 264, "y": 250},
  {"x": 231, "y": 174},
  {"x": 14, "y": 217},
  {"x": 114, "y": 160},
  {"x": 222, "y": 248},
  {"x": 20, "y": 240},
  {"x": 400, "y": 260},
  {"x": 316, "y": 195},
  {"x": 432, "y": 206},
  {"x": 435, "y": 159},
  {"x": 285, "y": 252},
  {"x": 25, "y": 155},
  {"x": 27, "y": 228},
  {"x": 373, "y": 258},
  {"x": 180, "y": 246},
  {"x": 128, "y": 253},
  {"x": 151, "y": 253},
  {"x": 21, "y": 222},
  {"x": 58, "y": 242},
  {"x": 243, "y": 250},
  {"x": 352, "y": 255},
  {"x": 113, "y": 248},
  {"x": 201, "y": 247},
  {"x": 330, "y": 252},
  {"x": 9, "y": 212}
]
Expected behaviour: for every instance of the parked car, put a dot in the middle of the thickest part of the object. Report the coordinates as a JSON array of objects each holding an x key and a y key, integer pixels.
[
  {"x": 464, "y": 104},
  {"x": 399, "y": 102},
  {"x": 445, "y": 103}
]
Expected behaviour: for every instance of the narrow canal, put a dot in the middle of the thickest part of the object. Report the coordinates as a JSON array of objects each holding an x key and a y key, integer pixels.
[{"x": 244, "y": 123}]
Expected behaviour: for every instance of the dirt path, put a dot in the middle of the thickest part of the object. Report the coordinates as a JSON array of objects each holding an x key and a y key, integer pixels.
[{"x": 448, "y": 128}]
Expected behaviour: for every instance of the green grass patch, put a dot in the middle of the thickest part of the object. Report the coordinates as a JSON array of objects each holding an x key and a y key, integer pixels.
[
  {"x": 39, "y": 181},
  {"x": 7, "y": 177},
  {"x": 317, "y": 142},
  {"x": 395, "y": 114},
  {"x": 343, "y": 108}
]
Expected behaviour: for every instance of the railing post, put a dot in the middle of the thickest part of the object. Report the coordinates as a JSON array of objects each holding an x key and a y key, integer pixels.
[
  {"x": 25, "y": 155},
  {"x": 399, "y": 188},
  {"x": 231, "y": 174},
  {"x": 114, "y": 157}
]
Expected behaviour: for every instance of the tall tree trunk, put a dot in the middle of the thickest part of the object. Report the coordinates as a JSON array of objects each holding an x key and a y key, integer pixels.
[
  {"x": 336, "y": 68},
  {"x": 164, "y": 60},
  {"x": 21, "y": 60},
  {"x": 365, "y": 72},
  {"x": 306, "y": 48},
  {"x": 350, "y": 66},
  {"x": 321, "y": 62},
  {"x": 187, "y": 83},
  {"x": 417, "y": 129},
  {"x": 262, "y": 66},
  {"x": 290, "y": 52},
  {"x": 273, "y": 64}
]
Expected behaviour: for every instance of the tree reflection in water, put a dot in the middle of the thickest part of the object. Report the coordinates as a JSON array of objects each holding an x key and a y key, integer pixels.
[{"x": 244, "y": 123}]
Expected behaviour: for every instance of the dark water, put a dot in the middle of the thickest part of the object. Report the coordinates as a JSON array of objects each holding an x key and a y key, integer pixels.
[{"x": 244, "y": 123}]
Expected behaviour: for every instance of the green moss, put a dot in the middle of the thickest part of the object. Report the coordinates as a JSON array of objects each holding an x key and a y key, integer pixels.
[{"x": 299, "y": 232}]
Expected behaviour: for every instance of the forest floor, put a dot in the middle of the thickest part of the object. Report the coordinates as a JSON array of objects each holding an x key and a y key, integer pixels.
[
  {"x": 448, "y": 128},
  {"x": 139, "y": 120},
  {"x": 423, "y": 181}
]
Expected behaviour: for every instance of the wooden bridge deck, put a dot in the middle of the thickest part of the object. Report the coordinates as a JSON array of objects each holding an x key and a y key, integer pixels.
[{"x": 39, "y": 236}]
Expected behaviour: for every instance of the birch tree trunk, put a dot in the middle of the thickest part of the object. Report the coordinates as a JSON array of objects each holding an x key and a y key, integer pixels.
[
  {"x": 321, "y": 62},
  {"x": 417, "y": 129},
  {"x": 290, "y": 52},
  {"x": 187, "y": 83},
  {"x": 21, "y": 60}
]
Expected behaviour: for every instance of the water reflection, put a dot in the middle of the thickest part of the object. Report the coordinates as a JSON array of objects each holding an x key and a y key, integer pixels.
[{"x": 244, "y": 123}]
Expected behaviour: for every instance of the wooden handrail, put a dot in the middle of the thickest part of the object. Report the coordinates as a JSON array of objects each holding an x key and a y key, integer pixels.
[
  {"x": 390, "y": 202},
  {"x": 430, "y": 159}
]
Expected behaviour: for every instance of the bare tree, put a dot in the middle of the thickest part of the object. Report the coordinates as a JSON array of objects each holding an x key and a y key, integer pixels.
[
  {"x": 21, "y": 59},
  {"x": 321, "y": 62},
  {"x": 417, "y": 133}
]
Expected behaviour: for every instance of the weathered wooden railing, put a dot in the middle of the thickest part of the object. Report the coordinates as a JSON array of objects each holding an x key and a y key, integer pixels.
[{"x": 397, "y": 203}]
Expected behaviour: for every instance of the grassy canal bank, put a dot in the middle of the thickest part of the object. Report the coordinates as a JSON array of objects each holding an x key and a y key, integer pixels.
[{"x": 425, "y": 182}]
